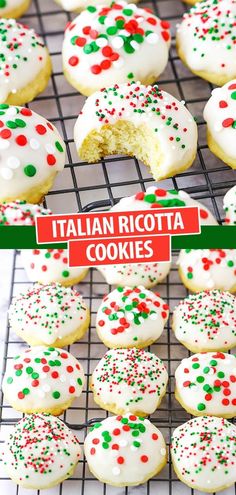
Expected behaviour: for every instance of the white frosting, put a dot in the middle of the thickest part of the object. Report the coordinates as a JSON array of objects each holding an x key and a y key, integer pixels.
[
  {"x": 77, "y": 5},
  {"x": 146, "y": 274},
  {"x": 229, "y": 203},
  {"x": 128, "y": 459},
  {"x": 20, "y": 213},
  {"x": 11, "y": 5}
]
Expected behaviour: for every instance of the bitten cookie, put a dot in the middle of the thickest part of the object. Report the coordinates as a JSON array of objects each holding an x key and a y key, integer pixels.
[
  {"x": 206, "y": 321},
  {"x": 131, "y": 318},
  {"x": 229, "y": 204},
  {"x": 203, "y": 453},
  {"x": 20, "y": 213},
  {"x": 43, "y": 380},
  {"x": 40, "y": 452},
  {"x": 129, "y": 380},
  {"x": 49, "y": 315},
  {"x": 141, "y": 121},
  {"x": 25, "y": 63},
  {"x": 113, "y": 44},
  {"x": 79, "y": 5},
  {"x": 125, "y": 450},
  {"x": 133, "y": 275},
  {"x": 202, "y": 269},
  {"x": 13, "y": 8},
  {"x": 206, "y": 40},
  {"x": 51, "y": 265}
]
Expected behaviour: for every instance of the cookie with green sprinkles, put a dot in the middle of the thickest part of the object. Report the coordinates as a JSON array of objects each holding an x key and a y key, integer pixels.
[
  {"x": 79, "y": 5},
  {"x": 43, "y": 379},
  {"x": 40, "y": 452},
  {"x": 146, "y": 274},
  {"x": 20, "y": 213},
  {"x": 229, "y": 203},
  {"x": 12, "y": 9}
]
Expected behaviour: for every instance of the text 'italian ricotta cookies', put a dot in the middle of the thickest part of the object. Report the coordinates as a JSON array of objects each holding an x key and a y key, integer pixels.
[
  {"x": 20, "y": 213},
  {"x": 129, "y": 380},
  {"x": 13, "y": 8},
  {"x": 203, "y": 453},
  {"x": 146, "y": 274},
  {"x": 141, "y": 121},
  {"x": 43, "y": 380},
  {"x": 206, "y": 321},
  {"x": 229, "y": 204},
  {"x": 206, "y": 384},
  {"x": 131, "y": 317},
  {"x": 49, "y": 315},
  {"x": 107, "y": 45},
  {"x": 206, "y": 40},
  {"x": 125, "y": 450},
  {"x": 202, "y": 269},
  {"x": 40, "y": 452},
  {"x": 78, "y": 5}
]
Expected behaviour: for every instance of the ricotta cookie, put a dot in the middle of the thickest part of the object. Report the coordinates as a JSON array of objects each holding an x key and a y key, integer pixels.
[
  {"x": 129, "y": 380},
  {"x": 25, "y": 63},
  {"x": 230, "y": 206},
  {"x": 206, "y": 40},
  {"x": 146, "y": 274},
  {"x": 203, "y": 453},
  {"x": 40, "y": 452},
  {"x": 131, "y": 318},
  {"x": 51, "y": 265},
  {"x": 113, "y": 44},
  {"x": 125, "y": 450},
  {"x": 206, "y": 321},
  {"x": 141, "y": 121},
  {"x": 206, "y": 384},
  {"x": 49, "y": 315},
  {"x": 43, "y": 379},
  {"x": 202, "y": 269},
  {"x": 79, "y": 5},
  {"x": 13, "y": 8},
  {"x": 20, "y": 213},
  {"x": 32, "y": 153}
]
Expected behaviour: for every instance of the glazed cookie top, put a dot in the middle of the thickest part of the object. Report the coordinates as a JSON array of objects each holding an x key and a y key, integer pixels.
[
  {"x": 230, "y": 206},
  {"x": 43, "y": 378},
  {"x": 133, "y": 379},
  {"x": 206, "y": 320},
  {"x": 131, "y": 317},
  {"x": 20, "y": 213},
  {"x": 40, "y": 450},
  {"x": 47, "y": 312},
  {"x": 124, "y": 449},
  {"x": 77, "y": 5},
  {"x": 203, "y": 452},
  {"x": 6, "y": 6},
  {"x": 146, "y": 274},
  {"x": 206, "y": 37}
]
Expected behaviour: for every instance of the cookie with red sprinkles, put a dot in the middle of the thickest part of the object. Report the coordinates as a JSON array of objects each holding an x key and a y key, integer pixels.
[
  {"x": 13, "y": 8},
  {"x": 125, "y": 450},
  {"x": 20, "y": 213},
  {"x": 145, "y": 274},
  {"x": 40, "y": 452},
  {"x": 229, "y": 204},
  {"x": 79, "y": 5}
]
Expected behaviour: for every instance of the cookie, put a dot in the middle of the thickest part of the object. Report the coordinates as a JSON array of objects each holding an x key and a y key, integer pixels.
[
  {"x": 229, "y": 203},
  {"x": 40, "y": 452},
  {"x": 125, "y": 450},
  {"x": 113, "y": 44},
  {"x": 43, "y": 379},
  {"x": 133, "y": 275},
  {"x": 141, "y": 121},
  {"x": 206, "y": 40},
  {"x": 79, "y": 5},
  {"x": 206, "y": 321},
  {"x": 131, "y": 318},
  {"x": 129, "y": 380},
  {"x": 25, "y": 63},
  {"x": 202, "y": 269},
  {"x": 51, "y": 265},
  {"x": 20, "y": 213},
  {"x": 13, "y": 9},
  {"x": 49, "y": 315},
  {"x": 203, "y": 453}
]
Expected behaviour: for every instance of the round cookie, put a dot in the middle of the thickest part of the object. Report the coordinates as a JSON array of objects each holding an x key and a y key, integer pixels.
[
  {"x": 20, "y": 213},
  {"x": 229, "y": 204},
  {"x": 133, "y": 275},
  {"x": 206, "y": 321},
  {"x": 141, "y": 121},
  {"x": 206, "y": 40},
  {"x": 43, "y": 379},
  {"x": 203, "y": 453},
  {"x": 51, "y": 265},
  {"x": 40, "y": 452},
  {"x": 49, "y": 315},
  {"x": 25, "y": 63},
  {"x": 79, "y": 5},
  {"x": 12, "y": 9},
  {"x": 131, "y": 318},
  {"x": 129, "y": 380},
  {"x": 125, "y": 450},
  {"x": 202, "y": 269},
  {"x": 113, "y": 44}
]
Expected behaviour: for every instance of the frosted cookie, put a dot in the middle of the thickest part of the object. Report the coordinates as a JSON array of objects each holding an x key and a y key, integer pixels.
[
  {"x": 146, "y": 274},
  {"x": 229, "y": 204},
  {"x": 125, "y": 450},
  {"x": 131, "y": 317},
  {"x": 25, "y": 63},
  {"x": 206, "y": 40},
  {"x": 129, "y": 380},
  {"x": 113, "y": 44},
  {"x": 202, "y": 269},
  {"x": 203, "y": 453},
  {"x": 51, "y": 265},
  {"x": 49, "y": 315},
  {"x": 79, "y": 5},
  {"x": 141, "y": 121},
  {"x": 20, "y": 213},
  {"x": 43, "y": 379},
  {"x": 206, "y": 321},
  {"x": 40, "y": 452},
  {"x": 32, "y": 153},
  {"x": 13, "y": 8}
]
